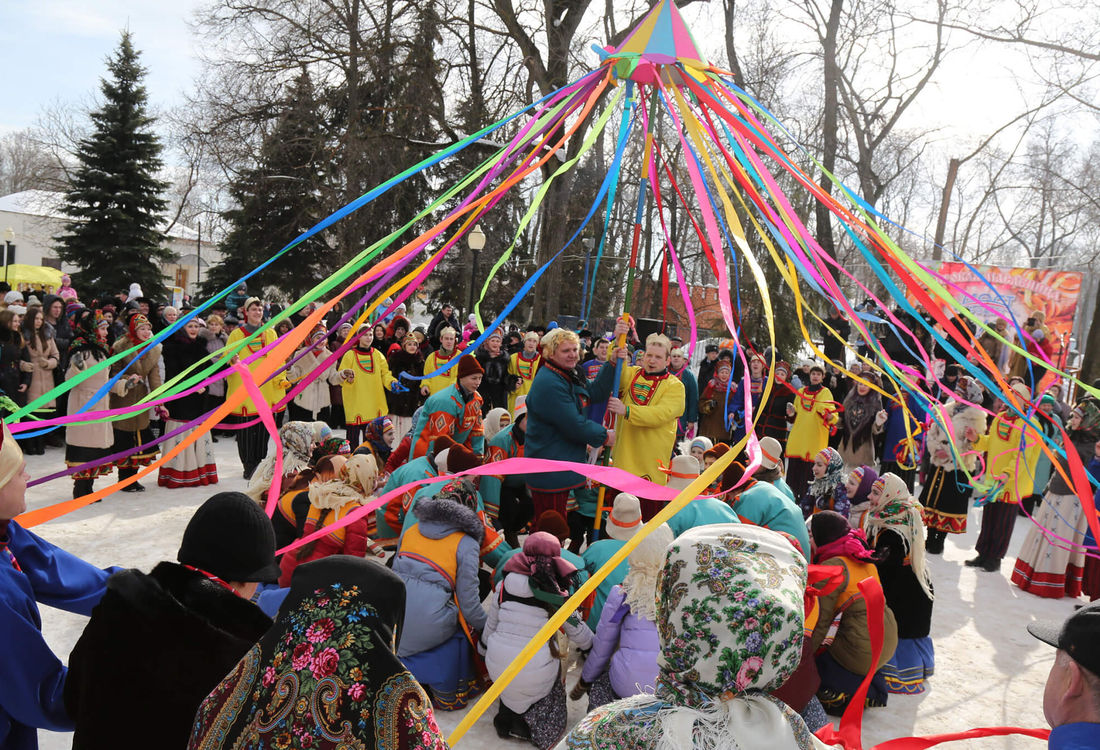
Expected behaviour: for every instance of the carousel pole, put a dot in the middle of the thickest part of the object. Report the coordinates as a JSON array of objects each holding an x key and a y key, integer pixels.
[{"x": 643, "y": 185}]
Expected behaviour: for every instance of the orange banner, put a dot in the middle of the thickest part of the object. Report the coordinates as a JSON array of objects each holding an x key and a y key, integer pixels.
[{"x": 1021, "y": 292}]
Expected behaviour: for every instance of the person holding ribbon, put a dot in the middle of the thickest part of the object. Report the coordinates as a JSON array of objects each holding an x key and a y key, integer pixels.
[
  {"x": 251, "y": 440},
  {"x": 367, "y": 377},
  {"x": 314, "y": 401},
  {"x": 456, "y": 412},
  {"x": 814, "y": 414},
  {"x": 88, "y": 445},
  {"x": 650, "y": 403},
  {"x": 895, "y": 529},
  {"x": 33, "y": 571},
  {"x": 1012, "y": 450},
  {"x": 848, "y": 658}
]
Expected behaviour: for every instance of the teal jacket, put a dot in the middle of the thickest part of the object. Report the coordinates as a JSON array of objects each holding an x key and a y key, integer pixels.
[
  {"x": 764, "y": 505},
  {"x": 702, "y": 511},
  {"x": 557, "y": 427}
]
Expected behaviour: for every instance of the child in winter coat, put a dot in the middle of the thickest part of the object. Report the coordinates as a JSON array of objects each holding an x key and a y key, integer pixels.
[
  {"x": 844, "y": 661},
  {"x": 623, "y": 660},
  {"x": 536, "y": 583},
  {"x": 826, "y": 491}
]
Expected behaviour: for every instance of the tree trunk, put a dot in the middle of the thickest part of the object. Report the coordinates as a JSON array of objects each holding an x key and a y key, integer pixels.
[
  {"x": 829, "y": 124},
  {"x": 1090, "y": 363}
]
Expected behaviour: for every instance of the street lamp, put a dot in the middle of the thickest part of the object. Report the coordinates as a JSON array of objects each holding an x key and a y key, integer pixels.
[
  {"x": 588, "y": 243},
  {"x": 9, "y": 246},
  {"x": 476, "y": 240}
]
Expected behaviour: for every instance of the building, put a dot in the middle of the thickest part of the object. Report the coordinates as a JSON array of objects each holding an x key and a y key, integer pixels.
[{"x": 35, "y": 217}]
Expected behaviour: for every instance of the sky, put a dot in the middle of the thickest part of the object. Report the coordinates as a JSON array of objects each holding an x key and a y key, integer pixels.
[
  {"x": 58, "y": 48},
  {"x": 57, "y": 51}
]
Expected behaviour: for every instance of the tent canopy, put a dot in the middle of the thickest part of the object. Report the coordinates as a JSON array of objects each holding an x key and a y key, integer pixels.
[{"x": 20, "y": 273}]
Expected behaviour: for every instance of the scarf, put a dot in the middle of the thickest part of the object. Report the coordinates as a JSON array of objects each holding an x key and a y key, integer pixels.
[
  {"x": 834, "y": 466},
  {"x": 892, "y": 507},
  {"x": 492, "y": 422},
  {"x": 853, "y": 544},
  {"x": 640, "y": 584},
  {"x": 1090, "y": 417},
  {"x": 374, "y": 433},
  {"x": 136, "y": 322},
  {"x": 297, "y": 440},
  {"x": 541, "y": 560},
  {"x": 86, "y": 335},
  {"x": 729, "y": 616},
  {"x": 332, "y": 650},
  {"x": 866, "y": 476}
]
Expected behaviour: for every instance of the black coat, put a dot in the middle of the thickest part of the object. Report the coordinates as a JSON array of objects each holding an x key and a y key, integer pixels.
[
  {"x": 404, "y": 404},
  {"x": 154, "y": 648},
  {"x": 904, "y": 595},
  {"x": 495, "y": 384},
  {"x": 180, "y": 352}
]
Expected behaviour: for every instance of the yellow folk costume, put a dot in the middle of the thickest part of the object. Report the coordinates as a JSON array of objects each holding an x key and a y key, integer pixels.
[
  {"x": 814, "y": 413},
  {"x": 271, "y": 390},
  {"x": 365, "y": 396},
  {"x": 646, "y": 434},
  {"x": 525, "y": 370},
  {"x": 1009, "y": 459},
  {"x": 436, "y": 360}
]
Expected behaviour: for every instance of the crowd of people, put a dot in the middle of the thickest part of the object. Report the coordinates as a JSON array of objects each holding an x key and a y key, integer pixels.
[{"x": 328, "y": 625}]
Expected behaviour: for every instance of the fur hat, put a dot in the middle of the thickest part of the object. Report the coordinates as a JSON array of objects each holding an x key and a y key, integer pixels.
[
  {"x": 469, "y": 365},
  {"x": 625, "y": 518}
]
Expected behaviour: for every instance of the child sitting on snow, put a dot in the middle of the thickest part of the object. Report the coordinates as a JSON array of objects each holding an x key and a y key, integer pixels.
[{"x": 536, "y": 583}]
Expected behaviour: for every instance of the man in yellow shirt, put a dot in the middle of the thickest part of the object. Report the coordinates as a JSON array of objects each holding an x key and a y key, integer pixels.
[
  {"x": 650, "y": 402},
  {"x": 441, "y": 356},
  {"x": 522, "y": 366},
  {"x": 252, "y": 441}
]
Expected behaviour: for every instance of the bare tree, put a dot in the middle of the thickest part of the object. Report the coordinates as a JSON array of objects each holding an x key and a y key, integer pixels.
[{"x": 26, "y": 165}]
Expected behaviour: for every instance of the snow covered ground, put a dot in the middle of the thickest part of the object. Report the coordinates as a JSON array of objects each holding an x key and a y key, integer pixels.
[{"x": 989, "y": 670}]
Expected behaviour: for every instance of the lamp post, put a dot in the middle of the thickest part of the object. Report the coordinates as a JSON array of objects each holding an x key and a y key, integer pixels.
[
  {"x": 476, "y": 240},
  {"x": 9, "y": 235},
  {"x": 588, "y": 243}
]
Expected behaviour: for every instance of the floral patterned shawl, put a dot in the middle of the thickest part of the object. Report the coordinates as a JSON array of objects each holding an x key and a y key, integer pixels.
[
  {"x": 729, "y": 617},
  {"x": 894, "y": 508},
  {"x": 325, "y": 675}
]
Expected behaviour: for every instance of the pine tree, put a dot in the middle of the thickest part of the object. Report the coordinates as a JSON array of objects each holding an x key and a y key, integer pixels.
[
  {"x": 278, "y": 199},
  {"x": 114, "y": 199}
]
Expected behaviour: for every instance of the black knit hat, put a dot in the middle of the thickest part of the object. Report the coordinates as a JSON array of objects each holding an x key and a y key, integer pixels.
[{"x": 230, "y": 536}]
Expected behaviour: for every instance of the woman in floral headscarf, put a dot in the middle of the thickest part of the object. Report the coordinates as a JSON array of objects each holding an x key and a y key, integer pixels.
[
  {"x": 141, "y": 375},
  {"x": 827, "y": 490},
  {"x": 89, "y": 443},
  {"x": 1044, "y": 567},
  {"x": 729, "y": 617},
  {"x": 844, "y": 661},
  {"x": 362, "y": 697},
  {"x": 895, "y": 528},
  {"x": 858, "y": 487}
]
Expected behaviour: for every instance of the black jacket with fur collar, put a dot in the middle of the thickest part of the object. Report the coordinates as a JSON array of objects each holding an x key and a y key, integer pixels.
[{"x": 155, "y": 646}]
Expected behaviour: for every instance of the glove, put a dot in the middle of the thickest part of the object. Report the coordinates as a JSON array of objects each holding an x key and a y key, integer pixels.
[{"x": 581, "y": 688}]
